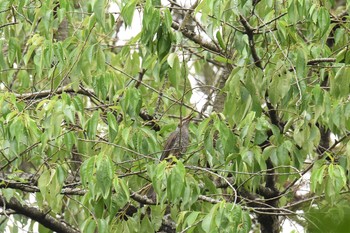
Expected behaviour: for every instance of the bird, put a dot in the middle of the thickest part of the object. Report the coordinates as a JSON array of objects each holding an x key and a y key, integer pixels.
[{"x": 177, "y": 142}]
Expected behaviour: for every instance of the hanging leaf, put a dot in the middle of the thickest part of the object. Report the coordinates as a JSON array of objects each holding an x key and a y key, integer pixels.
[{"x": 92, "y": 126}]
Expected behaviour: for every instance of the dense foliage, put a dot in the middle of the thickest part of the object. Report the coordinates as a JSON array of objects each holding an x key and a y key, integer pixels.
[{"x": 84, "y": 116}]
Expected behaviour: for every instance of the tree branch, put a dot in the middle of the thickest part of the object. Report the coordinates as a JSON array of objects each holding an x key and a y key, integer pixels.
[
  {"x": 320, "y": 60},
  {"x": 33, "y": 213},
  {"x": 46, "y": 93},
  {"x": 8, "y": 24},
  {"x": 249, "y": 31},
  {"x": 196, "y": 38}
]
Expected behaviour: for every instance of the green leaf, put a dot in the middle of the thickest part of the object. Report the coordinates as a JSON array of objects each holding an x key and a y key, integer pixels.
[
  {"x": 223, "y": 59},
  {"x": 89, "y": 53},
  {"x": 126, "y": 136},
  {"x": 220, "y": 40},
  {"x": 104, "y": 174},
  {"x": 69, "y": 113},
  {"x": 301, "y": 64},
  {"x": 157, "y": 175},
  {"x": 101, "y": 60},
  {"x": 92, "y": 125},
  {"x": 340, "y": 85},
  {"x": 99, "y": 206},
  {"x": 171, "y": 58},
  {"x": 163, "y": 42},
  {"x": 279, "y": 87},
  {"x": 146, "y": 225},
  {"x": 87, "y": 171},
  {"x": 58, "y": 52},
  {"x": 16, "y": 127},
  {"x": 89, "y": 225},
  {"x": 208, "y": 221},
  {"x": 167, "y": 18},
  {"x": 246, "y": 225},
  {"x": 122, "y": 191},
  {"x": 78, "y": 104},
  {"x": 112, "y": 126},
  {"x": 150, "y": 23},
  {"x": 176, "y": 182},
  {"x": 24, "y": 79},
  {"x": 128, "y": 11},
  {"x": 99, "y": 10},
  {"x": 44, "y": 181},
  {"x": 131, "y": 102},
  {"x": 191, "y": 192},
  {"x": 14, "y": 50},
  {"x": 46, "y": 20},
  {"x": 102, "y": 226},
  {"x": 61, "y": 174},
  {"x": 293, "y": 11},
  {"x": 337, "y": 177},
  {"x": 235, "y": 215},
  {"x": 282, "y": 30},
  {"x": 69, "y": 140},
  {"x": 317, "y": 177},
  {"x": 299, "y": 137},
  {"x": 323, "y": 20},
  {"x": 174, "y": 73},
  {"x": 191, "y": 218}
]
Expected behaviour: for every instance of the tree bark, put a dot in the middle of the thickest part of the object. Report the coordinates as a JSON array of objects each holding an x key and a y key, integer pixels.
[{"x": 37, "y": 215}]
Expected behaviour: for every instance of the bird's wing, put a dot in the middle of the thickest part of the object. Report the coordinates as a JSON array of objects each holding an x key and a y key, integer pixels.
[{"x": 169, "y": 145}]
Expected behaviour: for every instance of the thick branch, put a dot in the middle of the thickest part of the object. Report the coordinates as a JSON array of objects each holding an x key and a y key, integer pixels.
[
  {"x": 33, "y": 213},
  {"x": 46, "y": 93},
  {"x": 196, "y": 38},
  {"x": 320, "y": 60},
  {"x": 142, "y": 199},
  {"x": 249, "y": 30}
]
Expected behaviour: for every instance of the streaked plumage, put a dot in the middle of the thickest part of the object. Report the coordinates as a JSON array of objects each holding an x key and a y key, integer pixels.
[{"x": 178, "y": 140}]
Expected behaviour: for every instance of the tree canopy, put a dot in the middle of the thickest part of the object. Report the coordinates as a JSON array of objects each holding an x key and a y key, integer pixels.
[{"x": 84, "y": 116}]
